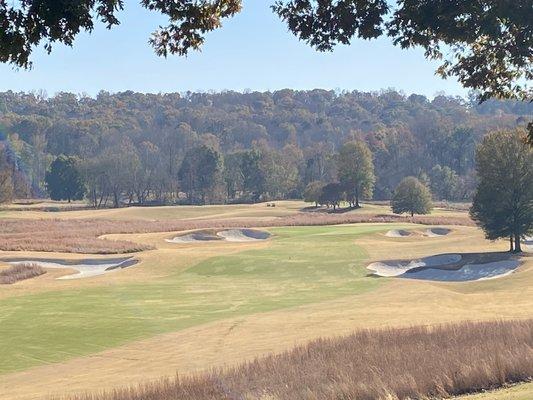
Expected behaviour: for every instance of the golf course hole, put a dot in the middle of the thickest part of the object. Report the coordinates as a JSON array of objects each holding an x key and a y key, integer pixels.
[
  {"x": 85, "y": 268},
  {"x": 398, "y": 233},
  {"x": 437, "y": 232},
  {"x": 449, "y": 267},
  {"x": 243, "y": 235}
]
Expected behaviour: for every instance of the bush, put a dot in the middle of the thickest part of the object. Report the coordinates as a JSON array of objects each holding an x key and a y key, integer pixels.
[
  {"x": 412, "y": 197},
  {"x": 20, "y": 272}
]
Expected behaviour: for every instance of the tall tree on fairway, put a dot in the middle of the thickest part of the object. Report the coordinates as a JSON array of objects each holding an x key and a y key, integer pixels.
[
  {"x": 254, "y": 179},
  {"x": 313, "y": 191},
  {"x": 6, "y": 178},
  {"x": 411, "y": 196},
  {"x": 503, "y": 202},
  {"x": 201, "y": 172},
  {"x": 63, "y": 180},
  {"x": 356, "y": 171},
  {"x": 331, "y": 195}
]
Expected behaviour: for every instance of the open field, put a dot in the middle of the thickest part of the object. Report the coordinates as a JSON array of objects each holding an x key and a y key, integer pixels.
[
  {"x": 191, "y": 307},
  {"x": 158, "y": 213},
  {"x": 170, "y": 212}
]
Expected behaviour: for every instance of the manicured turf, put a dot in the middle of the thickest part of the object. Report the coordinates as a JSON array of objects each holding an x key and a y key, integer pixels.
[{"x": 301, "y": 265}]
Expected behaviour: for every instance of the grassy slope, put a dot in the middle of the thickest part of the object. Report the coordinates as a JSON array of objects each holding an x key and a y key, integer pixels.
[{"x": 302, "y": 265}]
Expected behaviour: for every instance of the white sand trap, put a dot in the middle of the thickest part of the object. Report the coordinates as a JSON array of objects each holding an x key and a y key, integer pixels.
[
  {"x": 199, "y": 236},
  {"x": 400, "y": 267},
  {"x": 85, "y": 268},
  {"x": 437, "y": 232},
  {"x": 468, "y": 272},
  {"x": 243, "y": 235},
  {"x": 398, "y": 233}
]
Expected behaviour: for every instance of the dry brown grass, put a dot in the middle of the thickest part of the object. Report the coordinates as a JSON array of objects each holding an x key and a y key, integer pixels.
[
  {"x": 20, "y": 272},
  {"x": 411, "y": 363},
  {"x": 82, "y": 235}
]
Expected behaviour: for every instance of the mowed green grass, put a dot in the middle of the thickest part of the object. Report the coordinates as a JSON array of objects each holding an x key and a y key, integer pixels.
[{"x": 301, "y": 265}]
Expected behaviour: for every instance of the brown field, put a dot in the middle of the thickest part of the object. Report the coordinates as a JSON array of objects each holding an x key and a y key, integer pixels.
[
  {"x": 83, "y": 235},
  {"x": 19, "y": 273},
  {"x": 416, "y": 362}
]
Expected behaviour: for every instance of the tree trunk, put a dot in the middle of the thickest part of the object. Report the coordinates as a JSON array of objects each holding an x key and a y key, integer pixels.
[
  {"x": 115, "y": 199},
  {"x": 511, "y": 244},
  {"x": 517, "y": 247}
]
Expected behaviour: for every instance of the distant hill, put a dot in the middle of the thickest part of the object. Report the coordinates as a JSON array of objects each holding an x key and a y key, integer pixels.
[{"x": 408, "y": 135}]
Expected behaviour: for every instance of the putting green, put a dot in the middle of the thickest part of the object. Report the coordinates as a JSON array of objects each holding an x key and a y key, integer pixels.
[{"x": 301, "y": 265}]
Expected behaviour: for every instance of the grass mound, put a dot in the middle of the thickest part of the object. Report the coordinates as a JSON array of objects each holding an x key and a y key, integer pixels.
[
  {"x": 20, "y": 272},
  {"x": 417, "y": 362}
]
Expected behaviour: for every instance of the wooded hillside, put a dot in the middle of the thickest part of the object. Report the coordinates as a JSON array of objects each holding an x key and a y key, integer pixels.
[{"x": 134, "y": 144}]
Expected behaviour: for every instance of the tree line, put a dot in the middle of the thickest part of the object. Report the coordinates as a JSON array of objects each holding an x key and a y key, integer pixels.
[
  {"x": 135, "y": 148},
  {"x": 502, "y": 203}
]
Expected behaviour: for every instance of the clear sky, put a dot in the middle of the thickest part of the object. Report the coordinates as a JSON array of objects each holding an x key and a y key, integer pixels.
[{"x": 253, "y": 51}]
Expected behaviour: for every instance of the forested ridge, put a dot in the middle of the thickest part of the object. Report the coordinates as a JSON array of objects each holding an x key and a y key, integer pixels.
[{"x": 230, "y": 146}]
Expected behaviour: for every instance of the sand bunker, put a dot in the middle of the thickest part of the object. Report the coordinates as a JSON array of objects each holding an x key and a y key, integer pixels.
[
  {"x": 198, "y": 236},
  {"x": 468, "y": 272},
  {"x": 230, "y": 235},
  {"x": 398, "y": 233},
  {"x": 400, "y": 267},
  {"x": 449, "y": 267},
  {"x": 243, "y": 235},
  {"x": 437, "y": 232},
  {"x": 85, "y": 268}
]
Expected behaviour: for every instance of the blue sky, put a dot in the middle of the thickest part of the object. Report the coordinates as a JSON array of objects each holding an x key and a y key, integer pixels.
[{"x": 252, "y": 51}]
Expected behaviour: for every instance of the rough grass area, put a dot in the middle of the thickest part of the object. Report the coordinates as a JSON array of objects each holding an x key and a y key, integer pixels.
[
  {"x": 20, "y": 272},
  {"x": 412, "y": 363},
  {"x": 301, "y": 266},
  {"x": 82, "y": 235}
]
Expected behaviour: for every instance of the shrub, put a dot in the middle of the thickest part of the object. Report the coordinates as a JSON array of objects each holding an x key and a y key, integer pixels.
[{"x": 20, "y": 272}]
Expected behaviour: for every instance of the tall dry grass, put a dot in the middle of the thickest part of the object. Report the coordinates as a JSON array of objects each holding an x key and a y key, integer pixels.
[
  {"x": 392, "y": 364},
  {"x": 82, "y": 235},
  {"x": 20, "y": 272}
]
